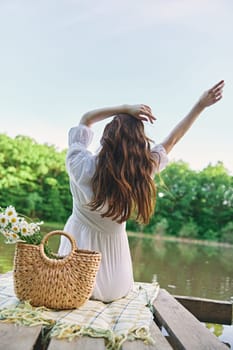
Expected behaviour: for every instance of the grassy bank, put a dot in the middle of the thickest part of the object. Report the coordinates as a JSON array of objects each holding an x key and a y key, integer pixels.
[{"x": 180, "y": 239}]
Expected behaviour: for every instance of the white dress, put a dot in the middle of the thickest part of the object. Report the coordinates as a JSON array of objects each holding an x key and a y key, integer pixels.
[{"x": 115, "y": 276}]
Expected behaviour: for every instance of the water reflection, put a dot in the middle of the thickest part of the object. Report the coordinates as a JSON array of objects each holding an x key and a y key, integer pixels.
[{"x": 185, "y": 269}]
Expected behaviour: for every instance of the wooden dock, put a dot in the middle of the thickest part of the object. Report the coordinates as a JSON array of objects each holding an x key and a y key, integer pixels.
[{"x": 183, "y": 329}]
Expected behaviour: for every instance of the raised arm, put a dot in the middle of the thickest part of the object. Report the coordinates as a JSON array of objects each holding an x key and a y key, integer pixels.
[
  {"x": 140, "y": 111},
  {"x": 209, "y": 98}
]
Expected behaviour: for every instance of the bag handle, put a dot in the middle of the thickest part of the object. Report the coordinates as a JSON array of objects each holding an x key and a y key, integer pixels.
[{"x": 54, "y": 233}]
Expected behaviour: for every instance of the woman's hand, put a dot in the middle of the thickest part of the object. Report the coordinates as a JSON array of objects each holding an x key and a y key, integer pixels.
[
  {"x": 141, "y": 112},
  {"x": 212, "y": 95}
]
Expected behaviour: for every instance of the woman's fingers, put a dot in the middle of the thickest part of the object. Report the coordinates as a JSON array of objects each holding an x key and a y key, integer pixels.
[
  {"x": 212, "y": 95},
  {"x": 147, "y": 108},
  {"x": 147, "y": 118},
  {"x": 141, "y": 112},
  {"x": 146, "y": 111},
  {"x": 220, "y": 85},
  {"x": 216, "y": 91}
]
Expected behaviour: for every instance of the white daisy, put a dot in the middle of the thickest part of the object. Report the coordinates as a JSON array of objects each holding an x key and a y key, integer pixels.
[
  {"x": 3, "y": 220},
  {"x": 34, "y": 227},
  {"x": 14, "y": 237},
  {"x": 13, "y": 220},
  {"x": 7, "y": 235},
  {"x": 11, "y": 237},
  {"x": 15, "y": 228},
  {"x": 10, "y": 211},
  {"x": 31, "y": 231},
  {"x": 24, "y": 229}
]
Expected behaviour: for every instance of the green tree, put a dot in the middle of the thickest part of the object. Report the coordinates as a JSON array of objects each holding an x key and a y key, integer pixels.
[
  {"x": 227, "y": 233},
  {"x": 213, "y": 207},
  {"x": 33, "y": 178},
  {"x": 195, "y": 204},
  {"x": 177, "y": 189}
]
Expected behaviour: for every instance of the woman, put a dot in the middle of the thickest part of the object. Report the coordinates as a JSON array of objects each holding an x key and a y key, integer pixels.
[{"x": 109, "y": 187}]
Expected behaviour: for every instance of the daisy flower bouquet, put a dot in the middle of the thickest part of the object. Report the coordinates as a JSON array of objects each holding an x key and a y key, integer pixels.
[{"x": 16, "y": 228}]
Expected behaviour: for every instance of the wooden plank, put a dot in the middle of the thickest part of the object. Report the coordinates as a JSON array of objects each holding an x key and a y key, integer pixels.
[
  {"x": 14, "y": 337},
  {"x": 89, "y": 343},
  {"x": 160, "y": 342},
  {"x": 184, "y": 329},
  {"x": 82, "y": 343},
  {"x": 207, "y": 310}
]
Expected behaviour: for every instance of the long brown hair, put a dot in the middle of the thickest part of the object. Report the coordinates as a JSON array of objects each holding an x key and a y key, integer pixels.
[{"x": 122, "y": 179}]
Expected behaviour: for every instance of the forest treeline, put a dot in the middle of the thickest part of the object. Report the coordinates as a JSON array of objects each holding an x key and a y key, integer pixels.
[{"x": 190, "y": 204}]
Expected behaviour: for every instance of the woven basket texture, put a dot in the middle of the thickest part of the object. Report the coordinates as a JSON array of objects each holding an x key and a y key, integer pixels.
[{"x": 64, "y": 283}]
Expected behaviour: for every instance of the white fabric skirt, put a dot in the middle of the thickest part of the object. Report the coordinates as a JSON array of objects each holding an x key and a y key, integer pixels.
[{"x": 115, "y": 277}]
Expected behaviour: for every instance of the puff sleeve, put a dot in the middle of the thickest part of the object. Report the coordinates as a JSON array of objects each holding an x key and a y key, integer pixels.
[{"x": 77, "y": 157}]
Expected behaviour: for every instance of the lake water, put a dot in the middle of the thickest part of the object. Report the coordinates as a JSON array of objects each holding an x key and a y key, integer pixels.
[{"x": 181, "y": 268}]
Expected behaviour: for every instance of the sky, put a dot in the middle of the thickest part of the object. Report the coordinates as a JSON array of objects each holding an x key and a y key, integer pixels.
[{"x": 59, "y": 59}]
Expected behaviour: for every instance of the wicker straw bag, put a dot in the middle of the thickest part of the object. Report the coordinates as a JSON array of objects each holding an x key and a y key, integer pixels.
[{"x": 64, "y": 283}]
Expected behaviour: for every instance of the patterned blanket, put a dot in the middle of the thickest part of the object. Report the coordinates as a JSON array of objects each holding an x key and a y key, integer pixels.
[{"x": 128, "y": 318}]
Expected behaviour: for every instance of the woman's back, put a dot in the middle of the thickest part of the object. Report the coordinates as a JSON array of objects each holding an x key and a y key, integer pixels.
[{"x": 91, "y": 230}]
